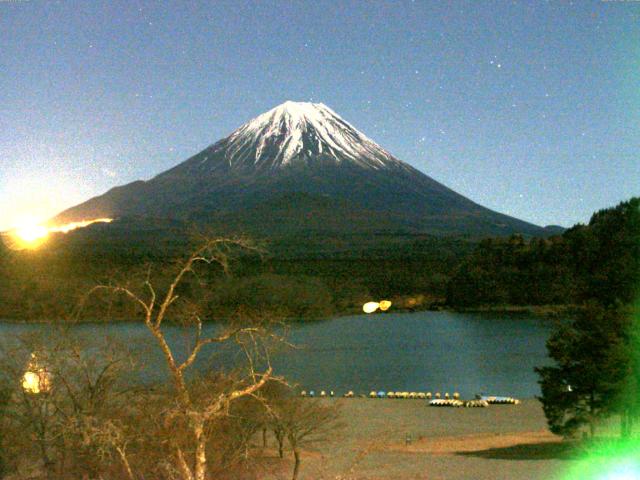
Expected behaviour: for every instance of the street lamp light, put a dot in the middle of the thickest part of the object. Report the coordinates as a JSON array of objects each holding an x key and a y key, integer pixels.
[{"x": 36, "y": 379}]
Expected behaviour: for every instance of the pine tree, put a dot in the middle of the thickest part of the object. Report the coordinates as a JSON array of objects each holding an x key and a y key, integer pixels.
[{"x": 591, "y": 371}]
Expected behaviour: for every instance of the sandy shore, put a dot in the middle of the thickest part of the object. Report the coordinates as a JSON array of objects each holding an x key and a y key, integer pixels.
[{"x": 406, "y": 439}]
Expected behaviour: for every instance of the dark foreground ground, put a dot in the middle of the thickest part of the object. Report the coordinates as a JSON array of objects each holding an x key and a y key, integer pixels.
[{"x": 499, "y": 442}]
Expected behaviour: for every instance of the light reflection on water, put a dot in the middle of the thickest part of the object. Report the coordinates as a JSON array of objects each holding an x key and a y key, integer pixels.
[{"x": 423, "y": 351}]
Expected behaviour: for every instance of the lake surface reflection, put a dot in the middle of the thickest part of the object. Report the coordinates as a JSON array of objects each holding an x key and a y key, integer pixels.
[{"x": 423, "y": 351}]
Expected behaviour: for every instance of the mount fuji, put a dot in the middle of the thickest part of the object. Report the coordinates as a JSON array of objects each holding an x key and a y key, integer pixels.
[{"x": 300, "y": 168}]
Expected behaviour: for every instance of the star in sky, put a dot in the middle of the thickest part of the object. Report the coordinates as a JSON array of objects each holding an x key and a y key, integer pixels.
[{"x": 398, "y": 72}]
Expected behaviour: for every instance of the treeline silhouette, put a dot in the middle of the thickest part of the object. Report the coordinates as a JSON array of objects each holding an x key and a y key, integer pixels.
[
  {"x": 318, "y": 277},
  {"x": 598, "y": 261},
  {"x": 295, "y": 278}
]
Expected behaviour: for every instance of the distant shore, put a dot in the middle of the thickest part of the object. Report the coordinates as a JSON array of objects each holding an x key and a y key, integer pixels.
[
  {"x": 543, "y": 311},
  {"x": 537, "y": 310}
]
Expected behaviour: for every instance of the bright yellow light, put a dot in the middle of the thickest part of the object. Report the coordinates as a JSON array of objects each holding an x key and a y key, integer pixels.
[
  {"x": 74, "y": 225},
  {"x": 370, "y": 307},
  {"x": 36, "y": 379},
  {"x": 31, "y": 382},
  {"x": 30, "y": 234},
  {"x": 385, "y": 305}
]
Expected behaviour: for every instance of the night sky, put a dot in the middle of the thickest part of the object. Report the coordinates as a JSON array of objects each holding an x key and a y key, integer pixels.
[{"x": 530, "y": 108}]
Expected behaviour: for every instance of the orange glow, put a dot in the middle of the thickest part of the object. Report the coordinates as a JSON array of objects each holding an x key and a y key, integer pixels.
[
  {"x": 371, "y": 307},
  {"x": 385, "y": 305},
  {"x": 36, "y": 379},
  {"x": 74, "y": 225},
  {"x": 30, "y": 234}
]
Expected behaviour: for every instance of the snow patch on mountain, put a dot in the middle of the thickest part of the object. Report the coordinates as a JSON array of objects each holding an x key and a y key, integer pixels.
[{"x": 296, "y": 131}]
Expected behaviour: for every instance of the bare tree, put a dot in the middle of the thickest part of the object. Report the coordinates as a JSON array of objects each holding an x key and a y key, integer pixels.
[
  {"x": 299, "y": 421},
  {"x": 305, "y": 423},
  {"x": 60, "y": 388},
  {"x": 195, "y": 410},
  {"x": 271, "y": 397}
]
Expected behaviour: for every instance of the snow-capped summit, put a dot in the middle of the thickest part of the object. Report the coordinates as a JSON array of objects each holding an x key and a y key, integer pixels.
[
  {"x": 298, "y": 168},
  {"x": 296, "y": 132}
]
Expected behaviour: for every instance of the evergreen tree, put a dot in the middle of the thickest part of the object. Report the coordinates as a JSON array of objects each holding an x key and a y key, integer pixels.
[
  {"x": 599, "y": 261},
  {"x": 591, "y": 370},
  {"x": 612, "y": 263},
  {"x": 597, "y": 371}
]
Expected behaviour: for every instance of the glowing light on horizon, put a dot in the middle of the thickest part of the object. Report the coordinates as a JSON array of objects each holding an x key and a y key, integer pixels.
[
  {"x": 31, "y": 234},
  {"x": 370, "y": 307},
  {"x": 75, "y": 225}
]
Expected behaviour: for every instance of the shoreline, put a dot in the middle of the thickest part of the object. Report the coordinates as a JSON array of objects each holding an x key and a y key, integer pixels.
[
  {"x": 541, "y": 311},
  {"x": 544, "y": 311},
  {"x": 413, "y": 441}
]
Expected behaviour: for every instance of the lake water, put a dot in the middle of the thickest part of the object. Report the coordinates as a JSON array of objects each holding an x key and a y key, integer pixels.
[{"x": 423, "y": 351}]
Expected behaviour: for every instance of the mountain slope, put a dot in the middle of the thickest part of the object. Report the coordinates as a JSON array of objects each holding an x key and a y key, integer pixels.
[{"x": 300, "y": 167}]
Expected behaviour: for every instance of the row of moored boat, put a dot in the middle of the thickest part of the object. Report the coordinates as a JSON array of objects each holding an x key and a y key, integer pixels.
[{"x": 435, "y": 400}]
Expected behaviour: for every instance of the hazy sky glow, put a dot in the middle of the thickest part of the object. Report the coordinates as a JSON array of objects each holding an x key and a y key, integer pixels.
[{"x": 529, "y": 108}]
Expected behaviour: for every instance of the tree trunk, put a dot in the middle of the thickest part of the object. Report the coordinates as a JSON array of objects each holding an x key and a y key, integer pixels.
[
  {"x": 47, "y": 463},
  {"x": 201, "y": 452},
  {"x": 176, "y": 373},
  {"x": 264, "y": 438},
  {"x": 296, "y": 465},
  {"x": 280, "y": 439},
  {"x": 183, "y": 466},
  {"x": 125, "y": 462}
]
